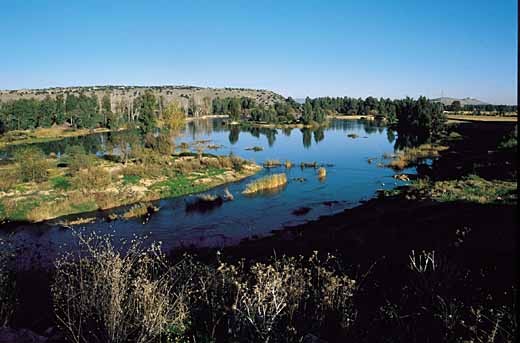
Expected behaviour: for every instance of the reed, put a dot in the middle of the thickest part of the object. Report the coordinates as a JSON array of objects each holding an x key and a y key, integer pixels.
[
  {"x": 322, "y": 172},
  {"x": 272, "y": 163},
  {"x": 265, "y": 183}
]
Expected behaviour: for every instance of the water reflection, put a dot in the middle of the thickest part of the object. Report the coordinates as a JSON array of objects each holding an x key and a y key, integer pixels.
[{"x": 349, "y": 179}]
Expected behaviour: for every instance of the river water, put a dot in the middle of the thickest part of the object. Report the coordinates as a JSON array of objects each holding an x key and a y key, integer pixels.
[{"x": 350, "y": 180}]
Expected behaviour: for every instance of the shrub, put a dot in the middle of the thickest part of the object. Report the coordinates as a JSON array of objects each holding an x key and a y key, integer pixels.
[
  {"x": 7, "y": 284},
  {"x": 77, "y": 158},
  {"x": 32, "y": 164},
  {"x": 131, "y": 179},
  {"x": 8, "y": 179},
  {"x": 92, "y": 178},
  {"x": 60, "y": 183},
  {"x": 104, "y": 295},
  {"x": 276, "y": 301}
]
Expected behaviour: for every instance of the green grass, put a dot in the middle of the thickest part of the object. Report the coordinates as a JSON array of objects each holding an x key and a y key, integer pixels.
[
  {"x": 131, "y": 179},
  {"x": 87, "y": 206},
  {"x": 471, "y": 189},
  {"x": 22, "y": 208},
  {"x": 177, "y": 186},
  {"x": 60, "y": 183}
]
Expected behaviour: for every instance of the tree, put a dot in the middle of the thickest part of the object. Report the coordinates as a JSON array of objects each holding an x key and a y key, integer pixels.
[
  {"x": 173, "y": 116},
  {"x": 47, "y": 112},
  {"x": 32, "y": 164},
  {"x": 146, "y": 105},
  {"x": 456, "y": 106},
  {"x": 60, "y": 109},
  {"x": 106, "y": 108},
  {"x": 234, "y": 108},
  {"x": 307, "y": 111}
]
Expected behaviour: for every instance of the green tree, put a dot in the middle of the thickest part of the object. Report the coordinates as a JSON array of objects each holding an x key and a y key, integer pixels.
[
  {"x": 60, "y": 109},
  {"x": 307, "y": 111},
  {"x": 106, "y": 109},
  {"x": 456, "y": 106},
  {"x": 32, "y": 164},
  {"x": 146, "y": 105},
  {"x": 47, "y": 112}
]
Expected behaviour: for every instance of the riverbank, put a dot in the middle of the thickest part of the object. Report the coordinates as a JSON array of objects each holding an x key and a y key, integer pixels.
[
  {"x": 481, "y": 118},
  {"x": 352, "y": 117},
  {"x": 42, "y": 135},
  {"x": 110, "y": 184},
  {"x": 471, "y": 183},
  {"x": 216, "y": 116}
]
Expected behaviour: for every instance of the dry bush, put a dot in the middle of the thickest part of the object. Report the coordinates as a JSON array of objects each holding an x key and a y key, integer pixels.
[
  {"x": 410, "y": 156},
  {"x": 266, "y": 183},
  {"x": 7, "y": 284},
  {"x": 213, "y": 162},
  {"x": 268, "y": 302},
  {"x": 104, "y": 294},
  {"x": 8, "y": 179},
  {"x": 92, "y": 178},
  {"x": 322, "y": 172},
  {"x": 144, "y": 170},
  {"x": 186, "y": 166},
  {"x": 225, "y": 162}
]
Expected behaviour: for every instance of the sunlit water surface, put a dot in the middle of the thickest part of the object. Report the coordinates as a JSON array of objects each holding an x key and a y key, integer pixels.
[{"x": 350, "y": 179}]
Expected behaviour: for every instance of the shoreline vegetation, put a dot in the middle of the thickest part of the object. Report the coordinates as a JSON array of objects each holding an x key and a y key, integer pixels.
[
  {"x": 35, "y": 187},
  {"x": 432, "y": 261}
]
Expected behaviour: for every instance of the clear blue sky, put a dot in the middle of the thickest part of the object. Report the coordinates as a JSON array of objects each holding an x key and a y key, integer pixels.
[{"x": 298, "y": 48}]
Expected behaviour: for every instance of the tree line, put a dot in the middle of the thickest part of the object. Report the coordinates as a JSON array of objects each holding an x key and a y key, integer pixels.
[
  {"x": 422, "y": 116},
  {"x": 456, "y": 106}
]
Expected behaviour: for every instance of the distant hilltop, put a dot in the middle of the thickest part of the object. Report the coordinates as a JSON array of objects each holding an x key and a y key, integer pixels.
[
  {"x": 463, "y": 102},
  {"x": 122, "y": 95}
]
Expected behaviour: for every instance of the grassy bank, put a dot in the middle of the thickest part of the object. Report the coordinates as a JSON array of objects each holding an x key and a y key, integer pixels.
[
  {"x": 42, "y": 135},
  {"x": 87, "y": 183}
]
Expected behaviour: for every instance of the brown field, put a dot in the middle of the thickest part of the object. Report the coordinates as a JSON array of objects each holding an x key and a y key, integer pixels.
[{"x": 473, "y": 118}]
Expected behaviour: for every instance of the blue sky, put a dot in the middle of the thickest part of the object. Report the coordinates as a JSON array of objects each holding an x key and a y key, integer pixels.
[{"x": 298, "y": 48}]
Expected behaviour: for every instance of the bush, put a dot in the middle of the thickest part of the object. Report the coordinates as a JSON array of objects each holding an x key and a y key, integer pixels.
[
  {"x": 78, "y": 158},
  {"x": 92, "y": 178},
  {"x": 8, "y": 179},
  {"x": 32, "y": 164},
  {"x": 7, "y": 284},
  {"x": 60, "y": 183},
  {"x": 104, "y": 295},
  {"x": 277, "y": 301}
]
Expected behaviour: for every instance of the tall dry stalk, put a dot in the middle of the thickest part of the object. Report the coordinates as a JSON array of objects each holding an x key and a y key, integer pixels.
[{"x": 105, "y": 294}]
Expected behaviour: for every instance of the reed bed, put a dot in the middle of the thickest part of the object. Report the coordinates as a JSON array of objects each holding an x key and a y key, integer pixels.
[
  {"x": 322, "y": 172},
  {"x": 266, "y": 183},
  {"x": 272, "y": 163}
]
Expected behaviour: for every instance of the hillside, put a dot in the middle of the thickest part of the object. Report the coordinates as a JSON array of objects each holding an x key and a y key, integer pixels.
[
  {"x": 122, "y": 97},
  {"x": 465, "y": 101}
]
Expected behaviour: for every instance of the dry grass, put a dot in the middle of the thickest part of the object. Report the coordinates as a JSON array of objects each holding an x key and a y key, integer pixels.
[
  {"x": 266, "y": 183},
  {"x": 288, "y": 164},
  {"x": 410, "y": 156},
  {"x": 322, "y": 172},
  {"x": 482, "y": 118},
  {"x": 139, "y": 210},
  {"x": 7, "y": 284},
  {"x": 101, "y": 294},
  {"x": 272, "y": 164},
  {"x": 8, "y": 179}
]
